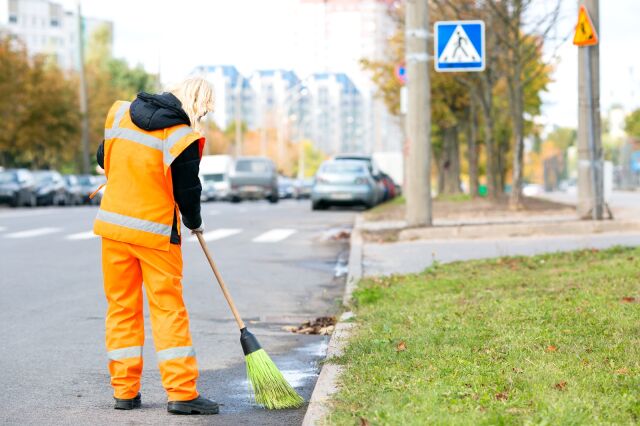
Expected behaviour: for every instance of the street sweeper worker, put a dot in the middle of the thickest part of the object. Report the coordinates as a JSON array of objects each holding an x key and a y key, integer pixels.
[{"x": 151, "y": 154}]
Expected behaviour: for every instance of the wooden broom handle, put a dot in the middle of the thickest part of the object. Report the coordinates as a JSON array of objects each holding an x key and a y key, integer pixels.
[{"x": 227, "y": 296}]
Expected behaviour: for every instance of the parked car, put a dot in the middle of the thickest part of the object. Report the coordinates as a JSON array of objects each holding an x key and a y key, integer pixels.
[
  {"x": 214, "y": 177},
  {"x": 302, "y": 188},
  {"x": 101, "y": 182},
  {"x": 50, "y": 188},
  {"x": 344, "y": 182},
  {"x": 17, "y": 188},
  {"x": 390, "y": 188},
  {"x": 88, "y": 184},
  {"x": 254, "y": 178},
  {"x": 74, "y": 190},
  {"x": 372, "y": 165},
  {"x": 285, "y": 187}
]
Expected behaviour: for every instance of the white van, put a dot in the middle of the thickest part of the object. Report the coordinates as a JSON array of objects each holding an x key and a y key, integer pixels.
[{"x": 214, "y": 176}]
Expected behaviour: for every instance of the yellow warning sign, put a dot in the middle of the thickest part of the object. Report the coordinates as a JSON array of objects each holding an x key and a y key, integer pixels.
[{"x": 585, "y": 32}]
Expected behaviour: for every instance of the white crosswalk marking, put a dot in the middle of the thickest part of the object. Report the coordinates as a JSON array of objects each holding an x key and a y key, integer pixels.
[
  {"x": 33, "y": 233},
  {"x": 2, "y": 228},
  {"x": 217, "y": 234},
  {"x": 274, "y": 235},
  {"x": 82, "y": 236}
]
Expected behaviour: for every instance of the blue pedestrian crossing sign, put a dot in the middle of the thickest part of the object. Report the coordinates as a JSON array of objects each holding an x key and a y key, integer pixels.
[{"x": 459, "y": 46}]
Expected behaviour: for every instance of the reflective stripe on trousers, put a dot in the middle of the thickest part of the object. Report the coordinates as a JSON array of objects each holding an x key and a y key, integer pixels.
[
  {"x": 124, "y": 353},
  {"x": 173, "y": 353}
]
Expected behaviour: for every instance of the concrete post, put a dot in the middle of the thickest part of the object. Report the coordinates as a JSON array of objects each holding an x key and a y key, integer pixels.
[
  {"x": 590, "y": 186},
  {"x": 418, "y": 119}
]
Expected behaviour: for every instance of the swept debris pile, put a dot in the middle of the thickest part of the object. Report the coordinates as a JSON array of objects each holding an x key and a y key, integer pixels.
[{"x": 322, "y": 325}]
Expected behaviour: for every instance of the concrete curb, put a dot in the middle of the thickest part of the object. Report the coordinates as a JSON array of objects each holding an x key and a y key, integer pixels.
[
  {"x": 327, "y": 384},
  {"x": 518, "y": 229},
  {"x": 355, "y": 262}
]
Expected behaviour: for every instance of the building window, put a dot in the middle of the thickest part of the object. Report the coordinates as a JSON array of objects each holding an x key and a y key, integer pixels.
[
  {"x": 13, "y": 11},
  {"x": 54, "y": 22}
]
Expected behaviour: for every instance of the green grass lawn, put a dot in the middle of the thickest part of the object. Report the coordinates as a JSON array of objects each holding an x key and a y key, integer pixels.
[{"x": 552, "y": 339}]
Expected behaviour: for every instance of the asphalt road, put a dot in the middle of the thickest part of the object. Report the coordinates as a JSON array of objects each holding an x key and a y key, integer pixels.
[{"x": 278, "y": 260}]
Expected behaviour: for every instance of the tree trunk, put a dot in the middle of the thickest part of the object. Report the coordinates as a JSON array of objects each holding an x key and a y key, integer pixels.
[
  {"x": 472, "y": 150},
  {"x": 491, "y": 170},
  {"x": 450, "y": 161},
  {"x": 517, "y": 110},
  {"x": 440, "y": 172}
]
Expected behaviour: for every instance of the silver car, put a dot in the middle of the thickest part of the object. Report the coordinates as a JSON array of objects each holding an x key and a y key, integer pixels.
[
  {"x": 254, "y": 178},
  {"x": 344, "y": 182}
]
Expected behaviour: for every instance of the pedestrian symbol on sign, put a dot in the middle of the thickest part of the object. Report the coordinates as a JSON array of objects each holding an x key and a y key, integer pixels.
[{"x": 459, "y": 46}]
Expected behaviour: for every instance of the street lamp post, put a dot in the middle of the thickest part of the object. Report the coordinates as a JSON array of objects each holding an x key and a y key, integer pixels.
[
  {"x": 282, "y": 116},
  {"x": 238, "y": 116}
]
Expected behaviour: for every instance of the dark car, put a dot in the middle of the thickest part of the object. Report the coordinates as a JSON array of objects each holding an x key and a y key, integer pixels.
[
  {"x": 254, "y": 178},
  {"x": 74, "y": 190},
  {"x": 285, "y": 187},
  {"x": 88, "y": 184},
  {"x": 17, "y": 188},
  {"x": 50, "y": 188},
  {"x": 302, "y": 188},
  {"x": 390, "y": 187}
]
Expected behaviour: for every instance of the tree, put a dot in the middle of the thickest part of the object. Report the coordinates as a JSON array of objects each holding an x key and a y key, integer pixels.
[
  {"x": 632, "y": 124},
  {"x": 522, "y": 43},
  {"x": 14, "y": 76},
  {"x": 38, "y": 110},
  {"x": 51, "y": 122},
  {"x": 109, "y": 79}
]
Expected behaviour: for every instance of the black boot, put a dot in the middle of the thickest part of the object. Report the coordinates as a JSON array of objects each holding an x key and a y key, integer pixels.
[
  {"x": 128, "y": 404},
  {"x": 200, "y": 405}
]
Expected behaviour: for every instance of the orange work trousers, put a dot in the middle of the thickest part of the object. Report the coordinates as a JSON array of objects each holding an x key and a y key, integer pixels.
[{"x": 125, "y": 267}]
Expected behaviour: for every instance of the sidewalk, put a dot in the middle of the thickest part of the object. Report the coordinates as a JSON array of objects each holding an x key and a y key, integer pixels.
[
  {"x": 414, "y": 256},
  {"x": 392, "y": 248}
]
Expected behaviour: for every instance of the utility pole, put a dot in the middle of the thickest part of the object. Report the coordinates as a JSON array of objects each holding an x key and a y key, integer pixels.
[
  {"x": 418, "y": 119},
  {"x": 84, "y": 109},
  {"x": 590, "y": 167},
  {"x": 238, "y": 116}
]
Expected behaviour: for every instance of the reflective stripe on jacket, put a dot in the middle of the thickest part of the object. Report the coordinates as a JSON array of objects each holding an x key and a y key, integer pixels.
[{"x": 138, "y": 206}]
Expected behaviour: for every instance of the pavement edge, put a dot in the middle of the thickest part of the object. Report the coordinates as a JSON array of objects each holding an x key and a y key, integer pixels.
[{"x": 327, "y": 383}]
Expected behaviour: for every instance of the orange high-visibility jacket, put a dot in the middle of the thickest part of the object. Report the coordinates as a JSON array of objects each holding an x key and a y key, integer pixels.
[{"x": 138, "y": 205}]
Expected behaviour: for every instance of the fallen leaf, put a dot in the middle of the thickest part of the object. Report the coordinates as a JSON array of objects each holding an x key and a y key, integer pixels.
[
  {"x": 364, "y": 422},
  {"x": 561, "y": 386},
  {"x": 622, "y": 371},
  {"x": 402, "y": 346},
  {"x": 502, "y": 396},
  {"x": 290, "y": 328},
  {"x": 551, "y": 348},
  {"x": 628, "y": 299}
]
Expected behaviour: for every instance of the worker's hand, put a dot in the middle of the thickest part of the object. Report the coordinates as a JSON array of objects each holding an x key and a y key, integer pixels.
[{"x": 199, "y": 230}]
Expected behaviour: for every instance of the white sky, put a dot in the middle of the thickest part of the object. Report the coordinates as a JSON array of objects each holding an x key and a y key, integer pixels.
[{"x": 174, "y": 36}]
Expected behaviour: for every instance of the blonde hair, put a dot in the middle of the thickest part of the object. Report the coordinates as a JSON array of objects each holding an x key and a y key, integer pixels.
[{"x": 197, "y": 97}]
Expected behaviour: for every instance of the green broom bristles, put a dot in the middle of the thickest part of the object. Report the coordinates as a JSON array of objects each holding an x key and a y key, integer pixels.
[{"x": 269, "y": 386}]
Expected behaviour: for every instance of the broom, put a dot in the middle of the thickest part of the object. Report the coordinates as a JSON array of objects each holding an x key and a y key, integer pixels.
[{"x": 270, "y": 388}]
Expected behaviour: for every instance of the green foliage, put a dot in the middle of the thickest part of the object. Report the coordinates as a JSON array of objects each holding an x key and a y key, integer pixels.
[
  {"x": 38, "y": 110},
  {"x": 230, "y": 131},
  {"x": 109, "y": 79},
  {"x": 562, "y": 137},
  {"x": 632, "y": 124},
  {"x": 549, "y": 339},
  {"x": 313, "y": 158}
]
